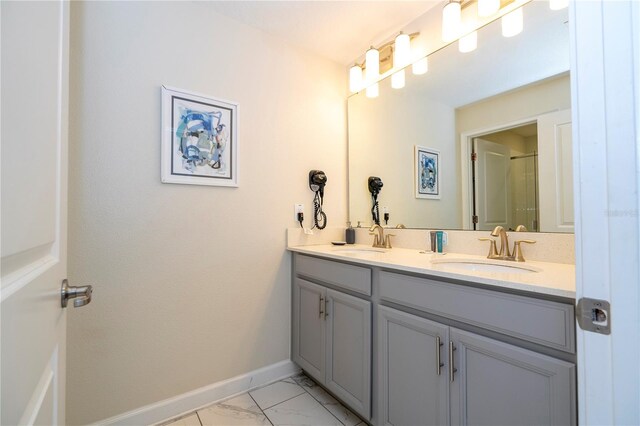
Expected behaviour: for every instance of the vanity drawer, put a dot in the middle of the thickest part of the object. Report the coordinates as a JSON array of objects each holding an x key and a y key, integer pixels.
[
  {"x": 339, "y": 274},
  {"x": 540, "y": 321}
]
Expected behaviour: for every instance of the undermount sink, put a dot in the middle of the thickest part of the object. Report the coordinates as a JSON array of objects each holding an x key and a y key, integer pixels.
[
  {"x": 359, "y": 250},
  {"x": 486, "y": 266}
]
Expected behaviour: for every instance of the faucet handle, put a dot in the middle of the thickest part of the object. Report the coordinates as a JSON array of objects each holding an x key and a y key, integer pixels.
[
  {"x": 387, "y": 240},
  {"x": 493, "y": 250},
  {"x": 517, "y": 250}
]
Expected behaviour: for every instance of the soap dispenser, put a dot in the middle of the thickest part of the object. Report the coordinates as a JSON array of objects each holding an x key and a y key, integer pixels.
[{"x": 350, "y": 234}]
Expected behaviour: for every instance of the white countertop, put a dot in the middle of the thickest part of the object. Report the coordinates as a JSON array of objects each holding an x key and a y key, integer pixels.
[{"x": 547, "y": 278}]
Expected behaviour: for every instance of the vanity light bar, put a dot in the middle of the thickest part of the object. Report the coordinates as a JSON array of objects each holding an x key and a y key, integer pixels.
[
  {"x": 395, "y": 53},
  {"x": 512, "y": 20}
]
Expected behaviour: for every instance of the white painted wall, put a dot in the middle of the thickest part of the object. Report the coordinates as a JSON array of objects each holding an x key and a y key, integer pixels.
[
  {"x": 191, "y": 283},
  {"x": 533, "y": 100}
]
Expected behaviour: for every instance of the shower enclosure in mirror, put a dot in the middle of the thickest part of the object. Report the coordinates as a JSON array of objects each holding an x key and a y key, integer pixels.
[{"x": 499, "y": 116}]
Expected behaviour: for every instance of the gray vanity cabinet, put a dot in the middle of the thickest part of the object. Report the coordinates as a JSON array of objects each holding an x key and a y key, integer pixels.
[
  {"x": 446, "y": 353},
  {"x": 413, "y": 377},
  {"x": 332, "y": 341},
  {"x": 500, "y": 384},
  {"x": 348, "y": 350},
  {"x": 309, "y": 327},
  {"x": 432, "y": 374}
]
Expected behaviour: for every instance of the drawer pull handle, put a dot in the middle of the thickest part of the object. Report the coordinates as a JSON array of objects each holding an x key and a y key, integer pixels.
[
  {"x": 452, "y": 370},
  {"x": 321, "y": 308},
  {"x": 438, "y": 361}
]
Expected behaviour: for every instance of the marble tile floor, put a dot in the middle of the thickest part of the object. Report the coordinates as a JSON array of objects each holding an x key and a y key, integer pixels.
[{"x": 297, "y": 400}]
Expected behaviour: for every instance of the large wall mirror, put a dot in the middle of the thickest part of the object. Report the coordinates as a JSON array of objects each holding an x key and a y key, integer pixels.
[{"x": 482, "y": 139}]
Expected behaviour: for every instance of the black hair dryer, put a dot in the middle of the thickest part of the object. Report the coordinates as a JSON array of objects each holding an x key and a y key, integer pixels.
[
  {"x": 317, "y": 182},
  {"x": 375, "y": 186}
]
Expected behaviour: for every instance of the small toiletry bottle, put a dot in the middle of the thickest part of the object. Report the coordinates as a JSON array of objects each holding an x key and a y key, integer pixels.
[
  {"x": 434, "y": 244},
  {"x": 439, "y": 241},
  {"x": 350, "y": 234}
]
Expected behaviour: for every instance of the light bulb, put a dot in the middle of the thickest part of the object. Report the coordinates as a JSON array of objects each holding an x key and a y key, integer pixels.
[
  {"x": 451, "y": 21},
  {"x": 397, "y": 80},
  {"x": 402, "y": 51},
  {"x": 421, "y": 66},
  {"x": 468, "y": 43},
  {"x": 558, "y": 4},
  {"x": 512, "y": 23},
  {"x": 372, "y": 65},
  {"x": 372, "y": 91},
  {"x": 355, "y": 78},
  {"x": 488, "y": 7}
]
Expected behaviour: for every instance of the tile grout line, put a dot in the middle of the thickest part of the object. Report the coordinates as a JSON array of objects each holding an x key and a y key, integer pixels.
[
  {"x": 357, "y": 416},
  {"x": 319, "y": 402},
  {"x": 288, "y": 399},
  {"x": 261, "y": 410},
  {"x": 304, "y": 391}
]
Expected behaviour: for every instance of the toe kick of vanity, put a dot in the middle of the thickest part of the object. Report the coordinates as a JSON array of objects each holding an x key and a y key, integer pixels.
[{"x": 399, "y": 347}]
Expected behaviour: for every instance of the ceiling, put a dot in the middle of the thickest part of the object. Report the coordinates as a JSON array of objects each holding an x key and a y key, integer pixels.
[{"x": 338, "y": 30}]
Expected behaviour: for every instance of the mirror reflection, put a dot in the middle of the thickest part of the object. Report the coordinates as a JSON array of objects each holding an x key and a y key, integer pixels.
[{"x": 482, "y": 139}]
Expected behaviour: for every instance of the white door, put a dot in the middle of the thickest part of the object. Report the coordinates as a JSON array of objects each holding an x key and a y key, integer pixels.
[
  {"x": 605, "y": 86},
  {"x": 34, "y": 217},
  {"x": 555, "y": 164},
  {"x": 492, "y": 189}
]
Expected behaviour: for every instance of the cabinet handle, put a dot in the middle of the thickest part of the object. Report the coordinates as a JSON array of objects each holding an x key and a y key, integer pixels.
[
  {"x": 326, "y": 310},
  {"x": 321, "y": 307},
  {"x": 452, "y": 370},
  {"x": 438, "y": 361}
]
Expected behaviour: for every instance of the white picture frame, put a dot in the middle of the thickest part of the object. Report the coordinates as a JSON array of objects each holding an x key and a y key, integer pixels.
[
  {"x": 199, "y": 139},
  {"x": 427, "y": 173}
]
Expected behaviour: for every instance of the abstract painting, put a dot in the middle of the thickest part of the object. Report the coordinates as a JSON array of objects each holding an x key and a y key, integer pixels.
[
  {"x": 427, "y": 173},
  {"x": 199, "y": 142}
]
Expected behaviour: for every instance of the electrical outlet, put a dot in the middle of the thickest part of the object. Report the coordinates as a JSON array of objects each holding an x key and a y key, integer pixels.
[
  {"x": 297, "y": 208},
  {"x": 385, "y": 210}
]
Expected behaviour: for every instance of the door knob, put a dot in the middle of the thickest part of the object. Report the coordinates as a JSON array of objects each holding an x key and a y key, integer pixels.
[{"x": 81, "y": 294}]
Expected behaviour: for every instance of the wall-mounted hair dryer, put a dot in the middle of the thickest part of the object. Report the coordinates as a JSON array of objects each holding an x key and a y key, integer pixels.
[
  {"x": 317, "y": 182},
  {"x": 375, "y": 185}
]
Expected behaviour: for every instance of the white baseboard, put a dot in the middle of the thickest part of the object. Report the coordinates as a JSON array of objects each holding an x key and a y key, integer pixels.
[{"x": 190, "y": 401}]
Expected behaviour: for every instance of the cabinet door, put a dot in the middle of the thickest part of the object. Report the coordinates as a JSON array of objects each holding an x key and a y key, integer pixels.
[
  {"x": 309, "y": 327},
  {"x": 413, "y": 386},
  {"x": 500, "y": 384},
  {"x": 349, "y": 350}
]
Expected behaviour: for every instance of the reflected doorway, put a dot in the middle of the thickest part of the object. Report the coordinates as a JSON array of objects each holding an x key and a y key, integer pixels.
[{"x": 505, "y": 179}]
